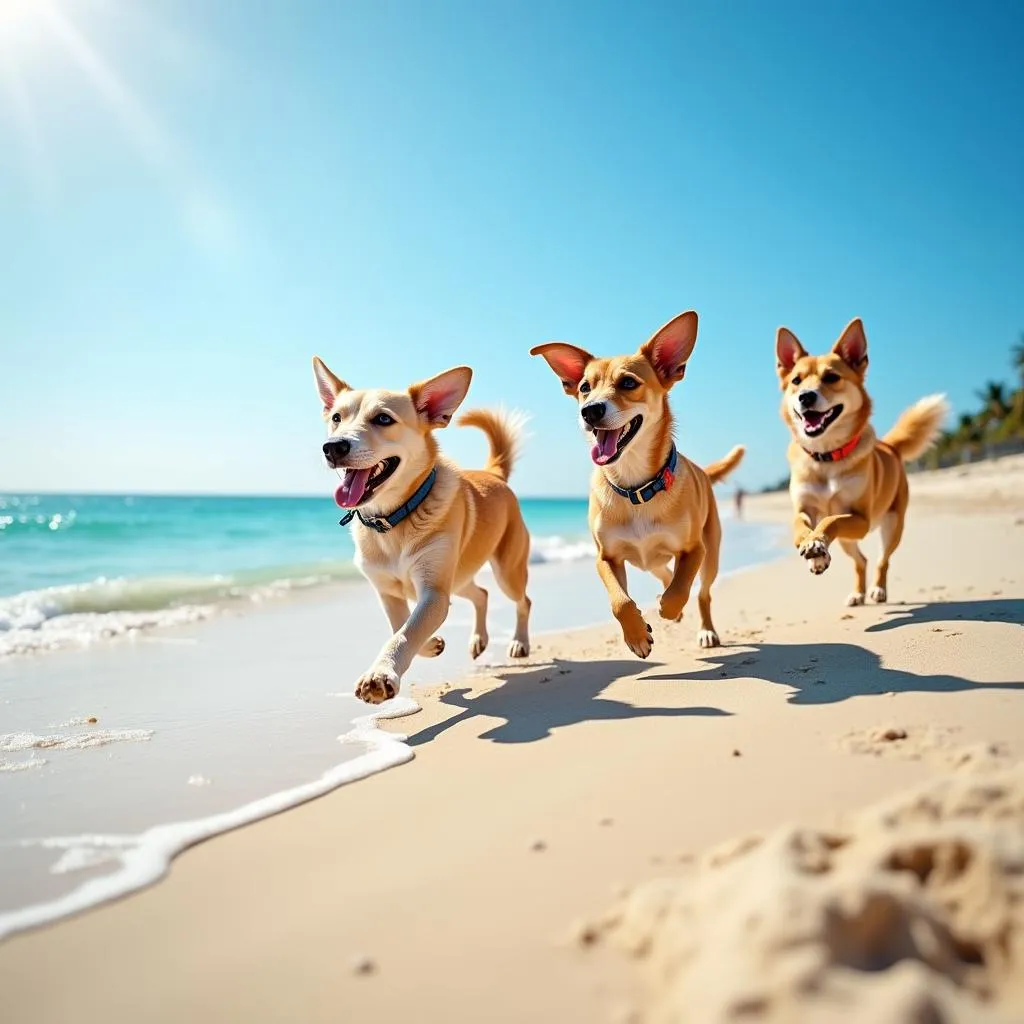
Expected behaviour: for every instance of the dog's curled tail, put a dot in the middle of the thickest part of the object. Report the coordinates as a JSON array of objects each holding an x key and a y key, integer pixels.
[
  {"x": 918, "y": 427},
  {"x": 504, "y": 432},
  {"x": 723, "y": 467}
]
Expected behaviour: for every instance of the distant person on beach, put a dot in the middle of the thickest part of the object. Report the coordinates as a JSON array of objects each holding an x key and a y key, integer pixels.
[{"x": 738, "y": 501}]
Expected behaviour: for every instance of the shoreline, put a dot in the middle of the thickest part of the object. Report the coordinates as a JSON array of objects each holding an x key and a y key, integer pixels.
[
  {"x": 540, "y": 791},
  {"x": 147, "y": 858},
  {"x": 134, "y": 847},
  {"x": 82, "y": 616}
]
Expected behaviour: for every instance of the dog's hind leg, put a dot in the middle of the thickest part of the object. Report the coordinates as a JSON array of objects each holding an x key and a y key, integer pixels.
[
  {"x": 707, "y": 636},
  {"x": 891, "y": 529},
  {"x": 860, "y": 569},
  {"x": 477, "y": 596},
  {"x": 397, "y": 611},
  {"x": 510, "y": 572}
]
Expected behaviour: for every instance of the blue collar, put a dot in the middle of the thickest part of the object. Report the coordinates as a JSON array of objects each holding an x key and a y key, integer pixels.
[
  {"x": 662, "y": 482},
  {"x": 384, "y": 523}
]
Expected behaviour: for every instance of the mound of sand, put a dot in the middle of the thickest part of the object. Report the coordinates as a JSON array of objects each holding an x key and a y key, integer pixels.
[
  {"x": 930, "y": 742},
  {"x": 912, "y": 912}
]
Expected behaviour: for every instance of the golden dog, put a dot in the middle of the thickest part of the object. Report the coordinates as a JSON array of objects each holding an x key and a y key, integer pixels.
[
  {"x": 844, "y": 481},
  {"x": 422, "y": 527},
  {"x": 648, "y": 504}
]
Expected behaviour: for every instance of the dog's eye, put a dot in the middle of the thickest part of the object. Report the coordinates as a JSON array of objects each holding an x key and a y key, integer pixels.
[
  {"x": 584, "y": 388},
  {"x": 795, "y": 381},
  {"x": 629, "y": 383},
  {"x": 830, "y": 377},
  {"x": 382, "y": 419},
  {"x": 336, "y": 418}
]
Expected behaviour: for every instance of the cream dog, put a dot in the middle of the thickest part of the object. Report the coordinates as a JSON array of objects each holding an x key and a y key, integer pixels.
[{"x": 423, "y": 527}]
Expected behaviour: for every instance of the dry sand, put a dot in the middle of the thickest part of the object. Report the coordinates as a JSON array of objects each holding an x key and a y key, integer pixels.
[{"x": 545, "y": 856}]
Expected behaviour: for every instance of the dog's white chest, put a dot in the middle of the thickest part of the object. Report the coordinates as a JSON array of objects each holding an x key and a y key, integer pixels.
[
  {"x": 393, "y": 569},
  {"x": 643, "y": 541},
  {"x": 834, "y": 493}
]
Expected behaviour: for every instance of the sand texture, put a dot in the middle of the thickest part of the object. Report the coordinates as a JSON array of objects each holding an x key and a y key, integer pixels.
[
  {"x": 912, "y": 910},
  {"x": 822, "y": 819}
]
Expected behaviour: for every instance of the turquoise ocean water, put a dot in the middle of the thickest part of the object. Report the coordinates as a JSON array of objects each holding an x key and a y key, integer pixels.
[
  {"x": 75, "y": 565},
  {"x": 51, "y": 540}
]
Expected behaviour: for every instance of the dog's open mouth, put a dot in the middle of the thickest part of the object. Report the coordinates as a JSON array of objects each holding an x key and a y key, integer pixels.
[
  {"x": 608, "y": 444},
  {"x": 816, "y": 423},
  {"x": 358, "y": 484}
]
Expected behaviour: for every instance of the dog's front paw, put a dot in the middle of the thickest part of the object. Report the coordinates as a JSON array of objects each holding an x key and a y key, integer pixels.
[
  {"x": 477, "y": 645},
  {"x": 855, "y": 599},
  {"x": 377, "y": 685},
  {"x": 816, "y": 553},
  {"x": 670, "y": 607},
  {"x": 879, "y": 595},
  {"x": 432, "y": 648},
  {"x": 638, "y": 635}
]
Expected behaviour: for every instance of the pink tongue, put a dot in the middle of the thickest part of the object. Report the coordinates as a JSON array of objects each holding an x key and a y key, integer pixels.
[
  {"x": 352, "y": 487},
  {"x": 606, "y": 442}
]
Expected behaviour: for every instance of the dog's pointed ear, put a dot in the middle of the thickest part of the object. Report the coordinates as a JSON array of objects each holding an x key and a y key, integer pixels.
[
  {"x": 670, "y": 346},
  {"x": 327, "y": 385},
  {"x": 568, "y": 362},
  {"x": 437, "y": 399},
  {"x": 788, "y": 351},
  {"x": 852, "y": 346}
]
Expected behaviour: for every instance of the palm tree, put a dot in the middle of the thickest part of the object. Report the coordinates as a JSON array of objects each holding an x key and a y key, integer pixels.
[
  {"x": 1015, "y": 420},
  {"x": 1017, "y": 359},
  {"x": 994, "y": 405},
  {"x": 969, "y": 432}
]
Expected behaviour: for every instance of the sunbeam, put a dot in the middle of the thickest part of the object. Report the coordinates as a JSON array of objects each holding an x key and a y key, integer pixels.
[
  {"x": 31, "y": 30},
  {"x": 146, "y": 134},
  {"x": 32, "y": 146}
]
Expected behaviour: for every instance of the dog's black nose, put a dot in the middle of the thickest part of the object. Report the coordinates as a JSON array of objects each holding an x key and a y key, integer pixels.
[
  {"x": 335, "y": 449},
  {"x": 807, "y": 398},
  {"x": 593, "y": 414}
]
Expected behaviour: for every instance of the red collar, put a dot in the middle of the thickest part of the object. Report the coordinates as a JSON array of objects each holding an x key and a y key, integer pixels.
[{"x": 837, "y": 454}]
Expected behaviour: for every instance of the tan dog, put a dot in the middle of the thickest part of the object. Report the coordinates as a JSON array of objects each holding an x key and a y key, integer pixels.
[
  {"x": 421, "y": 526},
  {"x": 844, "y": 481},
  {"x": 649, "y": 506}
]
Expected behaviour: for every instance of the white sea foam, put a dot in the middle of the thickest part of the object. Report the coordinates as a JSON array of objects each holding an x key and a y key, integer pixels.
[
  {"x": 36, "y": 627},
  {"x": 9, "y": 765},
  {"x": 12, "y": 742},
  {"x": 144, "y": 859},
  {"x": 560, "y": 549},
  {"x": 80, "y": 615}
]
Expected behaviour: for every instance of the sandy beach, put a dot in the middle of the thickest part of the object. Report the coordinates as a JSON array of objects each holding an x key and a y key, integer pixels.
[{"x": 821, "y": 819}]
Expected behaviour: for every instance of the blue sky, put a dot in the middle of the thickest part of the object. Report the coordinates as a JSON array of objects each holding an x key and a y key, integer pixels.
[{"x": 196, "y": 197}]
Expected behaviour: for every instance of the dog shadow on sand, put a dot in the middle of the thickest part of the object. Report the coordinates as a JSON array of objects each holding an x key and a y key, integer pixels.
[
  {"x": 825, "y": 673},
  {"x": 531, "y": 704},
  {"x": 1008, "y": 610}
]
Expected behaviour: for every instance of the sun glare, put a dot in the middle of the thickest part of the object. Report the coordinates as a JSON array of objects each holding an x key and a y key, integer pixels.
[
  {"x": 38, "y": 37},
  {"x": 35, "y": 26},
  {"x": 19, "y": 21}
]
